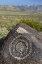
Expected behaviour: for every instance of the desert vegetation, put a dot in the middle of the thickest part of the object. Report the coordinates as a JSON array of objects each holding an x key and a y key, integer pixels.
[{"x": 8, "y": 21}]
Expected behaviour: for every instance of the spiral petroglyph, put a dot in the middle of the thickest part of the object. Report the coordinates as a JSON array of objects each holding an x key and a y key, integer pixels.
[{"x": 20, "y": 48}]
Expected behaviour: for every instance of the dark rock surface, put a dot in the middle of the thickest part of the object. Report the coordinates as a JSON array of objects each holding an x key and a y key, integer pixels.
[{"x": 23, "y": 45}]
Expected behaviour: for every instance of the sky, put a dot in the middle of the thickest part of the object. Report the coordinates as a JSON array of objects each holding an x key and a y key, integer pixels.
[{"x": 20, "y": 2}]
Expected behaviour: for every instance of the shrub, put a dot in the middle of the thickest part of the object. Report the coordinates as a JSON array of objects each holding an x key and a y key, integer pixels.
[{"x": 34, "y": 24}]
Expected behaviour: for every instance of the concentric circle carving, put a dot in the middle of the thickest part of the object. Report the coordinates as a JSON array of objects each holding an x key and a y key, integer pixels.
[{"x": 20, "y": 47}]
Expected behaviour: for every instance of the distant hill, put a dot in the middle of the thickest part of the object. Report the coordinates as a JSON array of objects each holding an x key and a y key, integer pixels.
[
  {"x": 27, "y": 8},
  {"x": 8, "y": 8}
]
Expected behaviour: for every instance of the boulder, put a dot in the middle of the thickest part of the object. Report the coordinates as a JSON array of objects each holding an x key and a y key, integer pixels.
[{"x": 23, "y": 45}]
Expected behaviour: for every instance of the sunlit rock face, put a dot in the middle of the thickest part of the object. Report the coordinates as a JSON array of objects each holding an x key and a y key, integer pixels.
[
  {"x": 23, "y": 45},
  {"x": 21, "y": 30}
]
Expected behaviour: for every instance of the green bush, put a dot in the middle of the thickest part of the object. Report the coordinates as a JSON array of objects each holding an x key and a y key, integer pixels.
[
  {"x": 34, "y": 24},
  {"x": 3, "y": 32}
]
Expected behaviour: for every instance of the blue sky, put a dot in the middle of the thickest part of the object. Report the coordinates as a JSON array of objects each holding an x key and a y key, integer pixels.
[{"x": 20, "y": 2}]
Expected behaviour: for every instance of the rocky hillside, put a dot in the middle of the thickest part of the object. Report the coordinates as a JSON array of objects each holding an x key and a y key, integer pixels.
[{"x": 8, "y": 7}]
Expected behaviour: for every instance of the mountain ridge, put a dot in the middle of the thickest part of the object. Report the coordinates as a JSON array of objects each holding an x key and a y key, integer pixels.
[{"x": 27, "y": 8}]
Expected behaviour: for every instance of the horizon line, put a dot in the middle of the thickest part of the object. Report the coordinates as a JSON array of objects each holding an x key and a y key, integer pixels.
[{"x": 20, "y": 5}]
